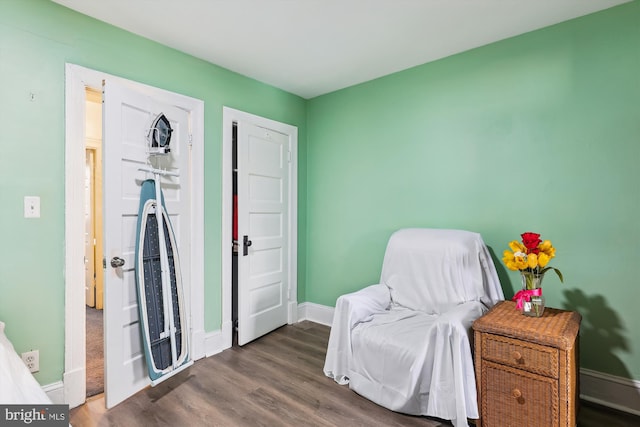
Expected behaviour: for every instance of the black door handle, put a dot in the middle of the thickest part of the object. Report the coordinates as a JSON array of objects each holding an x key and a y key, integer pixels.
[{"x": 245, "y": 245}]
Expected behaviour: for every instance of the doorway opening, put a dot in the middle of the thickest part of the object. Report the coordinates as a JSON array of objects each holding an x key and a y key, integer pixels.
[
  {"x": 235, "y": 243},
  {"x": 93, "y": 249},
  {"x": 77, "y": 79}
]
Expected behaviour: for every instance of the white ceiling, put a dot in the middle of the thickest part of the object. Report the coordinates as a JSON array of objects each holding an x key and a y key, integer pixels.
[{"x": 312, "y": 47}]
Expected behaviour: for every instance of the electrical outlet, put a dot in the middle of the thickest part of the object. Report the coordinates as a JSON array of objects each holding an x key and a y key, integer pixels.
[{"x": 32, "y": 360}]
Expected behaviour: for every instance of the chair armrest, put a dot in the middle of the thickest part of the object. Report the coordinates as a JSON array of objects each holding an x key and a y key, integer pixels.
[
  {"x": 351, "y": 309},
  {"x": 360, "y": 305}
]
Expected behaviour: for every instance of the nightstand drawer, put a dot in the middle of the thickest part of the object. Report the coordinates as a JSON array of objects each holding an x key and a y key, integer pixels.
[
  {"x": 515, "y": 398},
  {"x": 520, "y": 354}
]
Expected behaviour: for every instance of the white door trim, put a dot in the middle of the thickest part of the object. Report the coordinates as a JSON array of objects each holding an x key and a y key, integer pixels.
[
  {"x": 77, "y": 78},
  {"x": 229, "y": 116}
]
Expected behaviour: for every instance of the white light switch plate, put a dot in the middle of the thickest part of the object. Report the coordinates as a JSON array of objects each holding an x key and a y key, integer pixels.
[{"x": 31, "y": 207}]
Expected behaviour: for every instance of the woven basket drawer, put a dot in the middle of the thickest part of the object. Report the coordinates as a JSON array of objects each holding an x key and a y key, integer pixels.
[
  {"x": 515, "y": 398},
  {"x": 519, "y": 354}
]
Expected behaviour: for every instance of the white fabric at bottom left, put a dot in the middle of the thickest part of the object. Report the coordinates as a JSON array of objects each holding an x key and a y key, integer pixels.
[{"x": 17, "y": 384}]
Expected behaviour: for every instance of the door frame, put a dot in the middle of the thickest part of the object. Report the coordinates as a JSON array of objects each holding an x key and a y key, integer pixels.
[
  {"x": 77, "y": 78},
  {"x": 229, "y": 116}
]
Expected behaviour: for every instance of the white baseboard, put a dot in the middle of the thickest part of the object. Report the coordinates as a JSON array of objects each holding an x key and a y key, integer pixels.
[
  {"x": 198, "y": 343},
  {"x": 215, "y": 342},
  {"x": 608, "y": 390},
  {"x": 74, "y": 388},
  {"x": 315, "y": 313},
  {"x": 55, "y": 391},
  {"x": 292, "y": 312}
]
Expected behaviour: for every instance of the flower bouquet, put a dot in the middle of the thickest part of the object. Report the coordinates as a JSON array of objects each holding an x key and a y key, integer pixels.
[{"x": 531, "y": 257}]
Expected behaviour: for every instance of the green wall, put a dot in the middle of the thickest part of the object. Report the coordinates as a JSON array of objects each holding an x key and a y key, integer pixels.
[
  {"x": 37, "y": 38},
  {"x": 535, "y": 133}
]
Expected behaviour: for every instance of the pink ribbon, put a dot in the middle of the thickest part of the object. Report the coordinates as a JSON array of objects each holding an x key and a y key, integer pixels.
[{"x": 525, "y": 295}]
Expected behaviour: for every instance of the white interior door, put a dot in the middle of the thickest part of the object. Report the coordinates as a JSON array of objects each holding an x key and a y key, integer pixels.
[
  {"x": 263, "y": 224},
  {"x": 127, "y": 118}
]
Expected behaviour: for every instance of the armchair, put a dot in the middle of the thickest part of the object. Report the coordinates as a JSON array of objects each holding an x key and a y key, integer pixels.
[{"x": 405, "y": 343}]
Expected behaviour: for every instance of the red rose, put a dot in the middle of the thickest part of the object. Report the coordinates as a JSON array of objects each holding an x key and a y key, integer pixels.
[{"x": 531, "y": 242}]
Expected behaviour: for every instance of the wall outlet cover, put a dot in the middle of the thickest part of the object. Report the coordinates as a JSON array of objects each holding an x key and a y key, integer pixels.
[
  {"x": 32, "y": 360},
  {"x": 31, "y": 207}
]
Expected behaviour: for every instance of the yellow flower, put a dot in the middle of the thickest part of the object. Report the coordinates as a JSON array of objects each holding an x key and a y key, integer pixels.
[
  {"x": 514, "y": 261},
  {"x": 548, "y": 249},
  {"x": 532, "y": 260},
  {"x": 543, "y": 259},
  {"x": 529, "y": 258},
  {"x": 517, "y": 247}
]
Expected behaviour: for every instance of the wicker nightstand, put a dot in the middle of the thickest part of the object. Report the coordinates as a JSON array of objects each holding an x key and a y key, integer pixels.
[{"x": 527, "y": 367}]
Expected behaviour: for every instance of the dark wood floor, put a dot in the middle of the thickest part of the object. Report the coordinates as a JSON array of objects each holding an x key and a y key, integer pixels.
[{"x": 274, "y": 381}]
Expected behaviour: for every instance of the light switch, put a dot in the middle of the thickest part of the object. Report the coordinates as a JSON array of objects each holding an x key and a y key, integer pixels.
[{"x": 31, "y": 207}]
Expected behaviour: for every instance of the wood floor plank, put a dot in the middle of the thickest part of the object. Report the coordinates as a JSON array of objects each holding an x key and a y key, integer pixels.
[{"x": 276, "y": 380}]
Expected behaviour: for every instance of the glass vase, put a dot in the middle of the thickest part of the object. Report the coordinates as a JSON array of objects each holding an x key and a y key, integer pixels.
[{"x": 533, "y": 303}]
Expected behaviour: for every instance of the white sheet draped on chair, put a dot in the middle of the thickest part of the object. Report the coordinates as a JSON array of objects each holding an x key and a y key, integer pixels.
[{"x": 405, "y": 343}]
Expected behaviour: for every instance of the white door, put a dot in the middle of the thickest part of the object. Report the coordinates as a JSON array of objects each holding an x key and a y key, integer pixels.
[
  {"x": 263, "y": 224},
  {"x": 127, "y": 118}
]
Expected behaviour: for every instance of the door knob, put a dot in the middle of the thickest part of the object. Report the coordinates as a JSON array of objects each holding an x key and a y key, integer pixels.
[
  {"x": 245, "y": 245},
  {"x": 117, "y": 262}
]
